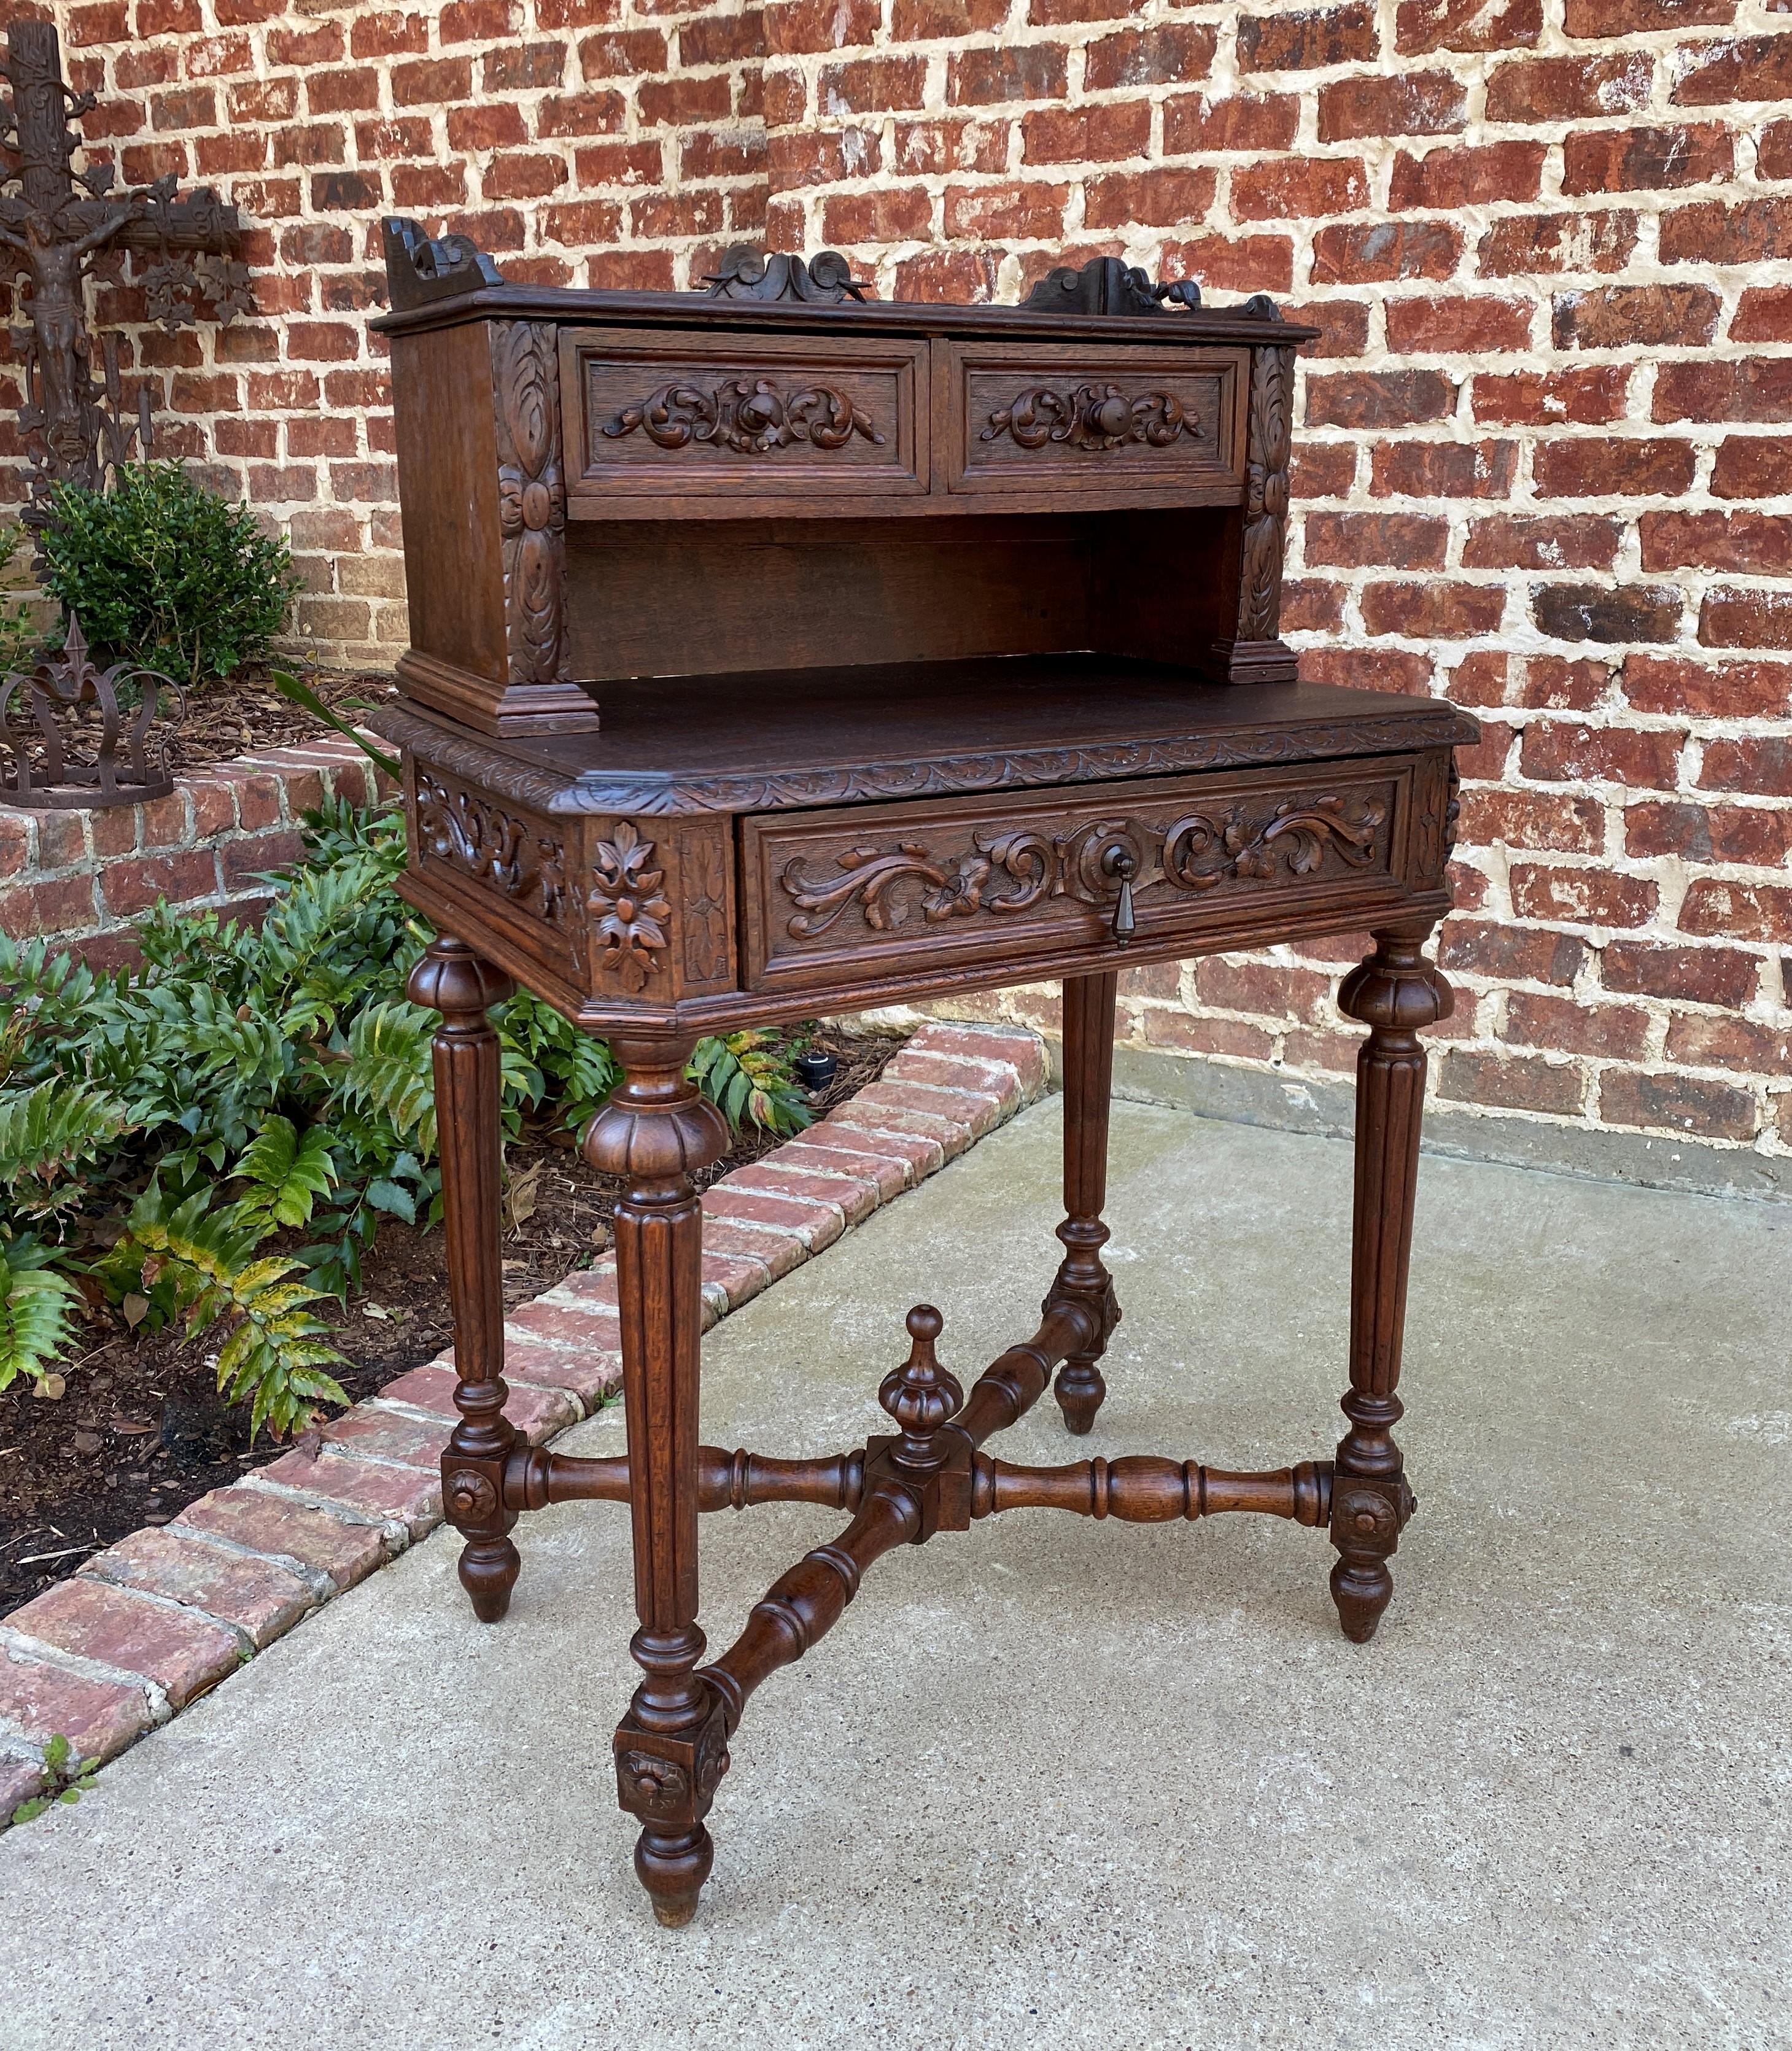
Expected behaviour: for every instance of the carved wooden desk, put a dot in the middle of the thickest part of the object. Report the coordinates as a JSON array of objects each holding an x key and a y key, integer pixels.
[{"x": 775, "y": 654}]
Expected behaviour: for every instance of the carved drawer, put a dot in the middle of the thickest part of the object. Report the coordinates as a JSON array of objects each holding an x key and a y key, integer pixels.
[
  {"x": 1059, "y": 417},
  {"x": 738, "y": 416},
  {"x": 909, "y": 891}
]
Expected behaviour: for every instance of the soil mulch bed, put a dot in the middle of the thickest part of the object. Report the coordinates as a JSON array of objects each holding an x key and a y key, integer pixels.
[
  {"x": 140, "y": 1432},
  {"x": 247, "y": 714},
  {"x": 238, "y": 716}
]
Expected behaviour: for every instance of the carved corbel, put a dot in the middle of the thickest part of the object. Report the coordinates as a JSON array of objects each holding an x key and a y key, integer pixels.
[{"x": 1254, "y": 652}]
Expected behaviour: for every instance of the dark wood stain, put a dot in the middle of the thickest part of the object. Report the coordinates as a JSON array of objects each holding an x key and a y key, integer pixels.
[{"x": 795, "y": 653}]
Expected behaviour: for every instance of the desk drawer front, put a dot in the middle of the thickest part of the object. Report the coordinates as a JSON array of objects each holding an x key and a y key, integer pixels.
[
  {"x": 1064, "y": 418},
  {"x": 828, "y": 894},
  {"x": 740, "y": 416}
]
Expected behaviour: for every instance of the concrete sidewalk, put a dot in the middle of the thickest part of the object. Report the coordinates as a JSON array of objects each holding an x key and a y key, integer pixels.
[{"x": 1054, "y": 1782}]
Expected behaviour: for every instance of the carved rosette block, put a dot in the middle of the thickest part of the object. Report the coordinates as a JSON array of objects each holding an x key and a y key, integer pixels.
[
  {"x": 531, "y": 497},
  {"x": 667, "y": 1782},
  {"x": 1396, "y": 993}
]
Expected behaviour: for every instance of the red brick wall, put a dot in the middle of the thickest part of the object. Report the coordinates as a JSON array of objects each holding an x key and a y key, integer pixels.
[
  {"x": 85, "y": 878},
  {"x": 1544, "y": 453}
]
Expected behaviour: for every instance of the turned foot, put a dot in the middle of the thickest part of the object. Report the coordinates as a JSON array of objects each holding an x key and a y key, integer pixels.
[
  {"x": 1080, "y": 1390},
  {"x": 489, "y": 1567},
  {"x": 1362, "y": 1589},
  {"x": 672, "y": 1870}
]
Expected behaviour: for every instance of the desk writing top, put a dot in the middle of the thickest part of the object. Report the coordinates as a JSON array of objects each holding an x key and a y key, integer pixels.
[{"x": 772, "y": 741}]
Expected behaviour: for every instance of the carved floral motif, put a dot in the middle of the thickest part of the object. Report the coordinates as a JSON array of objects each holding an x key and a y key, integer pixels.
[
  {"x": 651, "y": 1788},
  {"x": 1194, "y": 852},
  {"x": 748, "y": 415},
  {"x": 531, "y": 497},
  {"x": 1092, "y": 416},
  {"x": 750, "y": 273},
  {"x": 1266, "y": 493},
  {"x": 500, "y": 852},
  {"x": 468, "y": 1495},
  {"x": 628, "y": 912}
]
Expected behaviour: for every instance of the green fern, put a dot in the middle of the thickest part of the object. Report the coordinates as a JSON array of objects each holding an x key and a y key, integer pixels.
[
  {"x": 46, "y": 1134},
  {"x": 286, "y": 1175},
  {"x": 389, "y": 1070},
  {"x": 35, "y": 1303},
  {"x": 276, "y": 1351}
]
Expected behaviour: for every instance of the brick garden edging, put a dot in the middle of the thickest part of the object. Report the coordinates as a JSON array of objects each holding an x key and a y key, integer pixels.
[
  {"x": 152, "y": 1622},
  {"x": 84, "y": 879}
]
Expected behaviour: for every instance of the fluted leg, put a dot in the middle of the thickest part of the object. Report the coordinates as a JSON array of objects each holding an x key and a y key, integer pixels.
[
  {"x": 452, "y": 979},
  {"x": 1395, "y": 992},
  {"x": 672, "y": 1746},
  {"x": 1081, "y": 1278}
]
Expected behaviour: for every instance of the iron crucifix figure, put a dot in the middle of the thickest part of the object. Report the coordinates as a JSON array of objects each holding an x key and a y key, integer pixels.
[{"x": 61, "y": 226}]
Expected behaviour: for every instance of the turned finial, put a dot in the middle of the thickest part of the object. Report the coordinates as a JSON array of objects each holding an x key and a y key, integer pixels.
[{"x": 920, "y": 1395}]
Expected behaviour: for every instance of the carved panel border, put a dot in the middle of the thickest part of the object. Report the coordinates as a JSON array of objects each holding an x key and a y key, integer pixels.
[
  {"x": 1268, "y": 443},
  {"x": 531, "y": 497}
]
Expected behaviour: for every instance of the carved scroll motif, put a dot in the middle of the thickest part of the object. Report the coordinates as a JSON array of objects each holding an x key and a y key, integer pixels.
[
  {"x": 628, "y": 915},
  {"x": 751, "y": 273},
  {"x": 532, "y": 498},
  {"x": 1092, "y": 416},
  {"x": 419, "y": 269},
  {"x": 495, "y": 850},
  {"x": 747, "y": 415},
  {"x": 1194, "y": 852},
  {"x": 1105, "y": 285},
  {"x": 1266, "y": 505}
]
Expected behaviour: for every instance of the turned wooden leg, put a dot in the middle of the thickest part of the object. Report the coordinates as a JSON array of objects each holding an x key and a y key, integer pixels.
[
  {"x": 452, "y": 979},
  {"x": 672, "y": 1746},
  {"x": 1394, "y": 993},
  {"x": 1081, "y": 1278}
]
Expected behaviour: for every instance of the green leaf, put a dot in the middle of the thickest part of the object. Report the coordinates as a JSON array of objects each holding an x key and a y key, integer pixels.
[
  {"x": 287, "y": 1173},
  {"x": 166, "y": 573},
  {"x": 384, "y": 1196},
  {"x": 35, "y": 1302},
  {"x": 275, "y": 1346},
  {"x": 302, "y": 693}
]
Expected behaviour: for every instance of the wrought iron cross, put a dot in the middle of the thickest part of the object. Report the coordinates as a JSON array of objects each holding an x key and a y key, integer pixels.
[{"x": 62, "y": 225}]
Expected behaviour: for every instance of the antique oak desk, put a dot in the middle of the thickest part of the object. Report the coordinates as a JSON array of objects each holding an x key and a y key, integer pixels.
[{"x": 774, "y": 653}]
